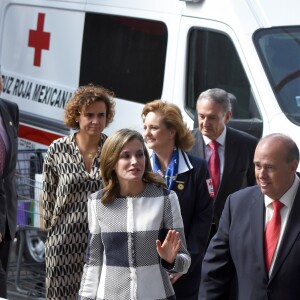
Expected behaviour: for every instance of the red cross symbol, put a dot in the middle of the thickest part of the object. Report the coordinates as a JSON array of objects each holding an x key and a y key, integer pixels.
[{"x": 39, "y": 40}]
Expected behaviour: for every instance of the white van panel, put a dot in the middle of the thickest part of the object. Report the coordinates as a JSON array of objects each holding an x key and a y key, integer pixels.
[
  {"x": 225, "y": 11},
  {"x": 60, "y": 63},
  {"x": 41, "y": 58},
  {"x": 276, "y": 13},
  {"x": 126, "y": 113},
  {"x": 247, "y": 15},
  {"x": 167, "y": 6}
]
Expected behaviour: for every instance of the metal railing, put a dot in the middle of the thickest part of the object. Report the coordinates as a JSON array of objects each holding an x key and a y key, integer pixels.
[{"x": 26, "y": 277}]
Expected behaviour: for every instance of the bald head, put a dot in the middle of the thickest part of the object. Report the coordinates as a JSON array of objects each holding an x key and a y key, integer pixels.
[
  {"x": 284, "y": 144},
  {"x": 276, "y": 160}
]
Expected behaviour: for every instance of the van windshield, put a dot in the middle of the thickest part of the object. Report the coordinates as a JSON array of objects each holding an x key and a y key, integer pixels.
[{"x": 279, "y": 50}]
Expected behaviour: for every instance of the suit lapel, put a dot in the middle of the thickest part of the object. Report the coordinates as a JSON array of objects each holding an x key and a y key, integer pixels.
[
  {"x": 199, "y": 145},
  {"x": 257, "y": 211},
  {"x": 291, "y": 233},
  {"x": 229, "y": 156},
  {"x": 8, "y": 127}
]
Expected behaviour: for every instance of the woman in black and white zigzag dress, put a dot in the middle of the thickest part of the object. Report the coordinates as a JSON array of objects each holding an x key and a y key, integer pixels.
[{"x": 71, "y": 172}]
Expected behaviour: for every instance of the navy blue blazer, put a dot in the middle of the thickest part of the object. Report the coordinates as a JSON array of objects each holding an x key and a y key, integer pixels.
[
  {"x": 238, "y": 170},
  {"x": 237, "y": 248},
  {"x": 196, "y": 210},
  {"x": 8, "y": 196}
]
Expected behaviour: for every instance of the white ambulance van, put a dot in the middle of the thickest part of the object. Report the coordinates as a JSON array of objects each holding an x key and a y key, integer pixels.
[
  {"x": 150, "y": 49},
  {"x": 145, "y": 50}
]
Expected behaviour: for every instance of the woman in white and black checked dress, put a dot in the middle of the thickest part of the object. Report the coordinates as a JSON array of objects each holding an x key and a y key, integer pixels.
[
  {"x": 136, "y": 230},
  {"x": 71, "y": 172}
]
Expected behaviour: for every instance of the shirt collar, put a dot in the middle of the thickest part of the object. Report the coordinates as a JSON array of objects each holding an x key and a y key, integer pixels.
[
  {"x": 220, "y": 139},
  {"x": 184, "y": 163},
  {"x": 288, "y": 198}
]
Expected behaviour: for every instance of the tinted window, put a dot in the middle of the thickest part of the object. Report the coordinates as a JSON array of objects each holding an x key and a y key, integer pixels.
[
  {"x": 279, "y": 50},
  {"x": 124, "y": 54}
]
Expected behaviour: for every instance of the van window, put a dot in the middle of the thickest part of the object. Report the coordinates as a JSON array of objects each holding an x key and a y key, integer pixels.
[
  {"x": 279, "y": 50},
  {"x": 213, "y": 62},
  {"x": 124, "y": 54}
]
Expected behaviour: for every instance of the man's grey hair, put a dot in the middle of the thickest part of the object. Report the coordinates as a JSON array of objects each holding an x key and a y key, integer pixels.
[{"x": 218, "y": 96}]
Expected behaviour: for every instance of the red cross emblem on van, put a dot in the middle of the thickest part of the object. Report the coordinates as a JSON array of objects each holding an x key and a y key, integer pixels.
[{"x": 39, "y": 40}]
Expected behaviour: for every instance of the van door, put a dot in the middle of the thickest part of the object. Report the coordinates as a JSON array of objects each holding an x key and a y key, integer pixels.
[{"x": 214, "y": 59}]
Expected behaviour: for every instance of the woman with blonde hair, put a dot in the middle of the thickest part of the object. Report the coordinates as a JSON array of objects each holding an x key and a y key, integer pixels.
[
  {"x": 168, "y": 136},
  {"x": 136, "y": 230}
]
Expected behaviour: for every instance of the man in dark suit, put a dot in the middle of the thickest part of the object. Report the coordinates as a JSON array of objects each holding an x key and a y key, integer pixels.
[
  {"x": 236, "y": 148},
  {"x": 9, "y": 122},
  {"x": 240, "y": 245}
]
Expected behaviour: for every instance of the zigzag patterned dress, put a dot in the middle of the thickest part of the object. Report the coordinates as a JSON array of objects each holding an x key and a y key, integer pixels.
[{"x": 66, "y": 187}]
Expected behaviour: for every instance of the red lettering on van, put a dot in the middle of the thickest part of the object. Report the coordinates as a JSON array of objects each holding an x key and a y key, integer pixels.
[{"x": 39, "y": 40}]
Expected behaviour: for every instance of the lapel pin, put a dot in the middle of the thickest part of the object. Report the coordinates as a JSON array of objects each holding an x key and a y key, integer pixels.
[
  {"x": 180, "y": 185},
  {"x": 10, "y": 123}
]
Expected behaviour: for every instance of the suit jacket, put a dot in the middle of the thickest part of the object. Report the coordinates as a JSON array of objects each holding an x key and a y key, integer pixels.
[
  {"x": 238, "y": 170},
  {"x": 237, "y": 248},
  {"x": 196, "y": 211},
  {"x": 8, "y": 196}
]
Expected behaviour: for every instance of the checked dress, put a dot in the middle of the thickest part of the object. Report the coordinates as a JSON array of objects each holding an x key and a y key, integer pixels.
[
  {"x": 122, "y": 261},
  {"x": 66, "y": 187}
]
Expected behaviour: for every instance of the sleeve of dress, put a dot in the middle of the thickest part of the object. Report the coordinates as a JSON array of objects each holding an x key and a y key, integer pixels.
[
  {"x": 94, "y": 254},
  {"x": 173, "y": 220},
  {"x": 49, "y": 187}
]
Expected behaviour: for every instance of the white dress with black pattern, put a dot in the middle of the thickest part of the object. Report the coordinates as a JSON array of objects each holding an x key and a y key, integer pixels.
[{"x": 66, "y": 187}]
